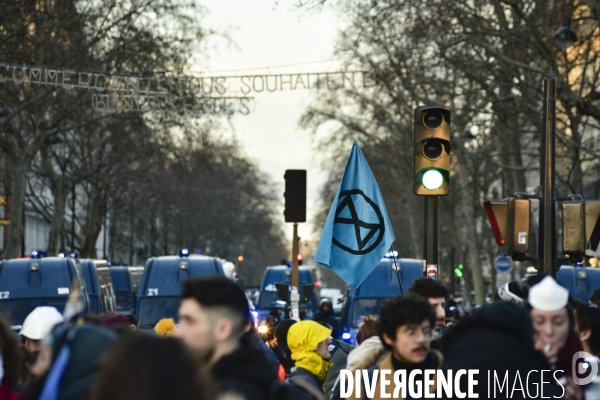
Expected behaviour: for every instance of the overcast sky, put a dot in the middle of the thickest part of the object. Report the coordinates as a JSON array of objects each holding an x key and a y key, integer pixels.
[{"x": 272, "y": 38}]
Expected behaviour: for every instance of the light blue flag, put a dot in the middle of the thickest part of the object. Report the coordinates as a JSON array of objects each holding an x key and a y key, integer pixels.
[{"x": 358, "y": 232}]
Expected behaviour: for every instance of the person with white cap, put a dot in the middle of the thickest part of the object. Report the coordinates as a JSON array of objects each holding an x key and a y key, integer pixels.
[
  {"x": 38, "y": 325},
  {"x": 554, "y": 335}
]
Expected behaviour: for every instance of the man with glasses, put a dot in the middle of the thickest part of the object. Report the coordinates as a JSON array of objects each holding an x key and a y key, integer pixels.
[{"x": 405, "y": 327}]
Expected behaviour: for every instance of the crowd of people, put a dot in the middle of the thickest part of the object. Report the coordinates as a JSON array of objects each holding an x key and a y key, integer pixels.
[{"x": 214, "y": 351}]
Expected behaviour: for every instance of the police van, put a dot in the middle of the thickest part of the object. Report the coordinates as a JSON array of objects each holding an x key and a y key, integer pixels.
[
  {"x": 98, "y": 282},
  {"x": 125, "y": 282},
  {"x": 380, "y": 284},
  {"x": 159, "y": 295},
  {"x": 29, "y": 283},
  {"x": 580, "y": 282},
  {"x": 283, "y": 274}
]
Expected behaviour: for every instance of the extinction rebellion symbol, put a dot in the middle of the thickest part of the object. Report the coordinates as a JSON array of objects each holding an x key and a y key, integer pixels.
[{"x": 364, "y": 230}]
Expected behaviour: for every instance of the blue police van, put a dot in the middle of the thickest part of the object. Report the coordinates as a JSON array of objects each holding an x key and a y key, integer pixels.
[
  {"x": 29, "y": 283},
  {"x": 125, "y": 283},
  {"x": 580, "y": 282},
  {"x": 159, "y": 294},
  {"x": 268, "y": 294},
  {"x": 98, "y": 282},
  {"x": 367, "y": 298}
]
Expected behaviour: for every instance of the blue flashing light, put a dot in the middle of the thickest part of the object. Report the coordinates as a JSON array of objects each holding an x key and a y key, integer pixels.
[
  {"x": 199, "y": 252},
  {"x": 74, "y": 255},
  {"x": 44, "y": 253},
  {"x": 184, "y": 253},
  {"x": 255, "y": 314},
  {"x": 289, "y": 264},
  {"x": 61, "y": 255},
  {"x": 346, "y": 335},
  {"x": 35, "y": 254},
  {"x": 391, "y": 254}
]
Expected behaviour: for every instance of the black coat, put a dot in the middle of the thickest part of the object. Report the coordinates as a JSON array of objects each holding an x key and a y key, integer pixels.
[
  {"x": 246, "y": 371},
  {"x": 498, "y": 339}
]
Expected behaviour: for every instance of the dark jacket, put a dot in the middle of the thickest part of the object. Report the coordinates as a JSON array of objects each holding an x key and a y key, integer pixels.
[
  {"x": 246, "y": 371},
  {"x": 339, "y": 357},
  {"x": 302, "y": 377},
  {"x": 498, "y": 338}
]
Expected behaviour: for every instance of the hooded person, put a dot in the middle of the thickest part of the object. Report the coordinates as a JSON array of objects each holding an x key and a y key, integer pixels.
[{"x": 309, "y": 345}]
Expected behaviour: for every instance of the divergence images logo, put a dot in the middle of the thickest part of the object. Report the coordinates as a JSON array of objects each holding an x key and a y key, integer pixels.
[
  {"x": 368, "y": 233},
  {"x": 584, "y": 363}
]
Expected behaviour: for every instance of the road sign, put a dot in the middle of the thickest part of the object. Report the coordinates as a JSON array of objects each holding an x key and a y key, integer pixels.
[{"x": 503, "y": 263}]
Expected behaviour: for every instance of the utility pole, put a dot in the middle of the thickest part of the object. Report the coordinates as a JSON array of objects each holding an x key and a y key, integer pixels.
[
  {"x": 547, "y": 224},
  {"x": 430, "y": 248},
  {"x": 295, "y": 211}
]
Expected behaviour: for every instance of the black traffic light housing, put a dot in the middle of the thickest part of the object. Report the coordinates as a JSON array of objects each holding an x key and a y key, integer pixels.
[
  {"x": 432, "y": 150},
  {"x": 295, "y": 195},
  {"x": 510, "y": 221}
]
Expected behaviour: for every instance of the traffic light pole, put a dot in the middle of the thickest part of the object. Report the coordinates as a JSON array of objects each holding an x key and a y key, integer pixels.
[
  {"x": 430, "y": 248},
  {"x": 295, "y": 293},
  {"x": 547, "y": 231}
]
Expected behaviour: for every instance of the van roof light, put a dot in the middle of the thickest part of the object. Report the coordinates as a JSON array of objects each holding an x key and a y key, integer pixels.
[
  {"x": 61, "y": 255},
  {"x": 184, "y": 253},
  {"x": 73, "y": 255}
]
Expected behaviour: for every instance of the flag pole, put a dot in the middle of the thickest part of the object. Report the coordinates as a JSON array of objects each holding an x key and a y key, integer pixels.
[{"x": 397, "y": 271}]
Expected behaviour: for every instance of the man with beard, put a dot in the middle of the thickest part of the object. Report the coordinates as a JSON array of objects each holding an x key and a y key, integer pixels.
[
  {"x": 405, "y": 329},
  {"x": 212, "y": 318},
  {"x": 436, "y": 294}
]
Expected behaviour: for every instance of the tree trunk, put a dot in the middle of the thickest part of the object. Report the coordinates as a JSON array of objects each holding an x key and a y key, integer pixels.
[
  {"x": 470, "y": 231},
  {"x": 93, "y": 224},
  {"x": 58, "y": 217},
  {"x": 16, "y": 229}
]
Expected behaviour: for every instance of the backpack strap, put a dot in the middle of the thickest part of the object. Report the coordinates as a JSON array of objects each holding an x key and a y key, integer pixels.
[{"x": 316, "y": 393}]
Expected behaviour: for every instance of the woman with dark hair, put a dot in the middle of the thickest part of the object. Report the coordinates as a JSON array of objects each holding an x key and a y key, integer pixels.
[
  {"x": 144, "y": 367},
  {"x": 554, "y": 330},
  {"x": 12, "y": 363}
]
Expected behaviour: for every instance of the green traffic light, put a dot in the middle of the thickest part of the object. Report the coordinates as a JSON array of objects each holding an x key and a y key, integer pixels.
[
  {"x": 458, "y": 272},
  {"x": 432, "y": 179}
]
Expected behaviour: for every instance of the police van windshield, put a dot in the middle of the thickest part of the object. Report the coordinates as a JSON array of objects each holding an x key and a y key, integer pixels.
[
  {"x": 153, "y": 309},
  {"x": 364, "y": 307},
  {"x": 16, "y": 310}
]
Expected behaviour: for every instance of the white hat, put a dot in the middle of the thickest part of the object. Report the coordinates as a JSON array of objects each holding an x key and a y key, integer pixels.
[
  {"x": 547, "y": 295},
  {"x": 40, "y": 322}
]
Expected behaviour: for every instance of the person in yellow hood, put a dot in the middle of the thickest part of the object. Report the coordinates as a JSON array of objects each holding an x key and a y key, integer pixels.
[{"x": 309, "y": 344}]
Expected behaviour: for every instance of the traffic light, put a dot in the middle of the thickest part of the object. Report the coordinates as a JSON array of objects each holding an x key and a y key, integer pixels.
[
  {"x": 432, "y": 151},
  {"x": 510, "y": 220},
  {"x": 300, "y": 258},
  {"x": 458, "y": 271},
  {"x": 580, "y": 227},
  {"x": 295, "y": 195}
]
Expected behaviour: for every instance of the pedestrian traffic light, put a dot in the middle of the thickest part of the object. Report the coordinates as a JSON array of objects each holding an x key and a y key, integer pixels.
[
  {"x": 300, "y": 258},
  {"x": 432, "y": 151},
  {"x": 510, "y": 220},
  {"x": 580, "y": 227},
  {"x": 295, "y": 195}
]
